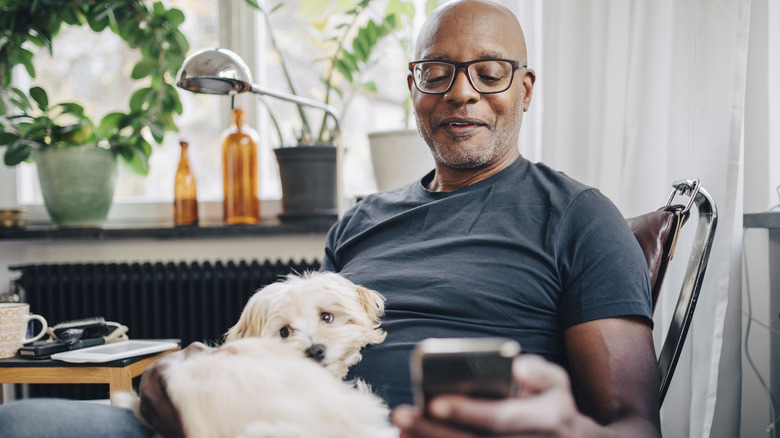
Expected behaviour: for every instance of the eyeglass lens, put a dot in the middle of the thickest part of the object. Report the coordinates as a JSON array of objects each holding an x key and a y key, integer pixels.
[{"x": 490, "y": 76}]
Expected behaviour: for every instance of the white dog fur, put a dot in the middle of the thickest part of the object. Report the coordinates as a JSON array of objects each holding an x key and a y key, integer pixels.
[
  {"x": 301, "y": 305},
  {"x": 257, "y": 387},
  {"x": 280, "y": 372}
]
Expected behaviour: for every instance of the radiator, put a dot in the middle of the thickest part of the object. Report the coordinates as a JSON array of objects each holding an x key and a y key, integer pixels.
[{"x": 188, "y": 301}]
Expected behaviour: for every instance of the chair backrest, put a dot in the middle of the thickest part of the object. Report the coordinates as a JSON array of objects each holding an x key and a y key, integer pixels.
[{"x": 657, "y": 234}]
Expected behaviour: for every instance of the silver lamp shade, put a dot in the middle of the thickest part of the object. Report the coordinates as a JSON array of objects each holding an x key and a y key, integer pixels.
[{"x": 214, "y": 71}]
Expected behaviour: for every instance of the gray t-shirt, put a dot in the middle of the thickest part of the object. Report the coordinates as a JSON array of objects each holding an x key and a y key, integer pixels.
[{"x": 524, "y": 254}]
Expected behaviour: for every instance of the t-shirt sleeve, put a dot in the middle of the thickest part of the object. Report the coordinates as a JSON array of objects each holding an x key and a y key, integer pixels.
[{"x": 603, "y": 270}]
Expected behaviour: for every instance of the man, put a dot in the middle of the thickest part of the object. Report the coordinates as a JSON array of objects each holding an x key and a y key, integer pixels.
[{"x": 490, "y": 244}]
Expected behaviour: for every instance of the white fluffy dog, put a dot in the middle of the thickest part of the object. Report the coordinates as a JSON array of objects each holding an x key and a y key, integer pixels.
[
  {"x": 280, "y": 372},
  {"x": 324, "y": 315}
]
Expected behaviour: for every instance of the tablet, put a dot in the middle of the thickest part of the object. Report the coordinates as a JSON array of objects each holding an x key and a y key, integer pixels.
[{"x": 116, "y": 351}]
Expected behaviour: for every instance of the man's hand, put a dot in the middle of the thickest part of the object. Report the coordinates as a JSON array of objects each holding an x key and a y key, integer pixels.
[
  {"x": 546, "y": 407},
  {"x": 156, "y": 405}
]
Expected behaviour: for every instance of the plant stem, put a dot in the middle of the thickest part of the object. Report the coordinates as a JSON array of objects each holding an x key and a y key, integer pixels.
[
  {"x": 274, "y": 121},
  {"x": 332, "y": 67},
  {"x": 269, "y": 30}
]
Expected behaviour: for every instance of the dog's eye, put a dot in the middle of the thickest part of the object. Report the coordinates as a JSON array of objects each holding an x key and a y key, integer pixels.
[
  {"x": 327, "y": 317},
  {"x": 284, "y": 332}
]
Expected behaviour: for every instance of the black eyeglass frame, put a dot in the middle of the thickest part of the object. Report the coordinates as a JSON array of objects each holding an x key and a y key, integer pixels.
[{"x": 465, "y": 66}]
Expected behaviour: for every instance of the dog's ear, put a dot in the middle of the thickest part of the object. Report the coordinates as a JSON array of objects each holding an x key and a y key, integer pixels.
[
  {"x": 372, "y": 302},
  {"x": 250, "y": 323}
]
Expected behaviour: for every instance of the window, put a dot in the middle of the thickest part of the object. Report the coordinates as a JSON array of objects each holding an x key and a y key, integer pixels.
[{"x": 94, "y": 69}]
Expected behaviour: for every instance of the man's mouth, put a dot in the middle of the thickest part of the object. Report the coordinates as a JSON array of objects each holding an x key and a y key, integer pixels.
[{"x": 461, "y": 126}]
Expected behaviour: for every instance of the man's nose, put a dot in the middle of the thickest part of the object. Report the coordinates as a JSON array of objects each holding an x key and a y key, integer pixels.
[{"x": 461, "y": 90}]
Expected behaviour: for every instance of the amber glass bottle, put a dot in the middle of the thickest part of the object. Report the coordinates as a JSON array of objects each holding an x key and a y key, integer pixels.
[
  {"x": 185, "y": 198},
  {"x": 239, "y": 172}
]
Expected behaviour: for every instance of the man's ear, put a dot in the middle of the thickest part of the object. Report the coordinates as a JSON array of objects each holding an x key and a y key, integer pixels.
[
  {"x": 409, "y": 81},
  {"x": 529, "y": 78}
]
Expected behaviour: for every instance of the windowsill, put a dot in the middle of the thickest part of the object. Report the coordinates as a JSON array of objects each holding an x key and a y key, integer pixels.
[
  {"x": 125, "y": 226},
  {"x": 269, "y": 227}
]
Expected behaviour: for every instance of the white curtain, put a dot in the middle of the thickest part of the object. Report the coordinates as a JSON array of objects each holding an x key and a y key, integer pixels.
[{"x": 631, "y": 96}]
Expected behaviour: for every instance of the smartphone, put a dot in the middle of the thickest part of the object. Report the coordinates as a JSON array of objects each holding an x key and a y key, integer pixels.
[
  {"x": 41, "y": 349},
  {"x": 477, "y": 367}
]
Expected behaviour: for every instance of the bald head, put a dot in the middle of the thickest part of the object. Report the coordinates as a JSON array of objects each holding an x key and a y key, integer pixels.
[{"x": 466, "y": 16}]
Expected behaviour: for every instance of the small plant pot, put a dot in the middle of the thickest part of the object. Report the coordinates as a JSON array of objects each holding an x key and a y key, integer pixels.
[
  {"x": 77, "y": 183},
  {"x": 309, "y": 183}
]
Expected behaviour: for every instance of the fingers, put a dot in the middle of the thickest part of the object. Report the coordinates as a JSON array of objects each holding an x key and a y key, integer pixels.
[
  {"x": 546, "y": 408},
  {"x": 413, "y": 425},
  {"x": 535, "y": 375}
]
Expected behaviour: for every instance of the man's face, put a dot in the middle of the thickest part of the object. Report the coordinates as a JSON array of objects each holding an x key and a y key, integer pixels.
[{"x": 463, "y": 128}]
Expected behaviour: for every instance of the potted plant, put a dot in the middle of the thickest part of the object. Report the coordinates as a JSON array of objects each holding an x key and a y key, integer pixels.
[
  {"x": 61, "y": 138},
  {"x": 347, "y": 37}
]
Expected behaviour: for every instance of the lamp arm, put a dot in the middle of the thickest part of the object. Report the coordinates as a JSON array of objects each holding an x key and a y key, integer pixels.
[{"x": 329, "y": 109}]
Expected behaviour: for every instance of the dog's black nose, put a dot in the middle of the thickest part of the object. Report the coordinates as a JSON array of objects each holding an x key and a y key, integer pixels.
[{"x": 316, "y": 352}]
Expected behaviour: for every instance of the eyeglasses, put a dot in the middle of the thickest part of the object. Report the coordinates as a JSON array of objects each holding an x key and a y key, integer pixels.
[{"x": 487, "y": 76}]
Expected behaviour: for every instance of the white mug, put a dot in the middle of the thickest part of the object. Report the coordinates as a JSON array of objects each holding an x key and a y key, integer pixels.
[{"x": 13, "y": 327}]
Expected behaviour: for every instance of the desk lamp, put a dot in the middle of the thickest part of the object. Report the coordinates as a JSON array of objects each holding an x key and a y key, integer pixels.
[{"x": 221, "y": 71}]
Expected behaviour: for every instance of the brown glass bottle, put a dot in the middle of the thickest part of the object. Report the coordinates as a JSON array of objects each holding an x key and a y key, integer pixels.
[
  {"x": 239, "y": 172},
  {"x": 185, "y": 198}
]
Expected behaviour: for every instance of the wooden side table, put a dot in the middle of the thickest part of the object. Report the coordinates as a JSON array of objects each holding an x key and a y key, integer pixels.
[{"x": 118, "y": 374}]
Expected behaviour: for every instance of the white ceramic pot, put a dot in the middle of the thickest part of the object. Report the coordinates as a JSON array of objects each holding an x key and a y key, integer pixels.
[{"x": 399, "y": 157}]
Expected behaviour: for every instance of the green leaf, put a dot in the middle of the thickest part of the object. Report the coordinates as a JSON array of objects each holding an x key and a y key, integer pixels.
[
  {"x": 144, "y": 68},
  {"x": 111, "y": 124},
  {"x": 175, "y": 17},
  {"x": 349, "y": 60},
  {"x": 134, "y": 156},
  {"x": 168, "y": 122},
  {"x": 7, "y": 138},
  {"x": 177, "y": 43},
  {"x": 371, "y": 34},
  {"x": 361, "y": 48},
  {"x": 159, "y": 9},
  {"x": 19, "y": 151},
  {"x": 72, "y": 108},
  {"x": 140, "y": 97},
  {"x": 38, "y": 129},
  {"x": 157, "y": 130},
  {"x": 98, "y": 22},
  {"x": 342, "y": 67},
  {"x": 171, "y": 101},
  {"x": 24, "y": 57},
  {"x": 21, "y": 102},
  {"x": 39, "y": 95}
]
